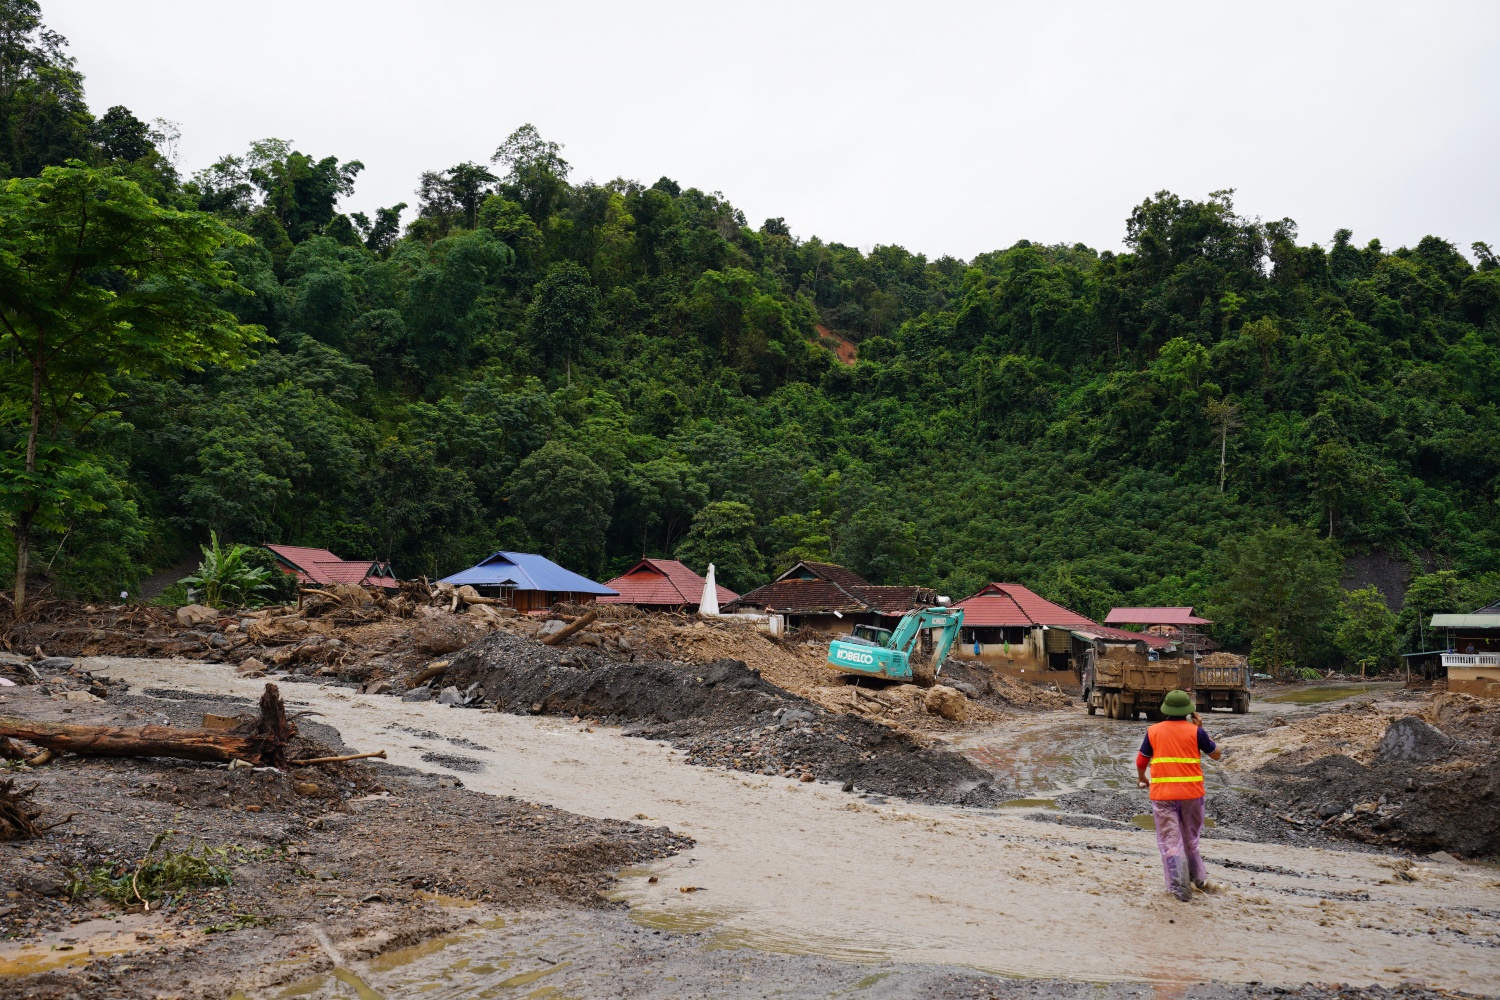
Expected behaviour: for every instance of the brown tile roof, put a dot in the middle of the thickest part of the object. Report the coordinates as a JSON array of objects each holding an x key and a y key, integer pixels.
[
  {"x": 897, "y": 600},
  {"x": 832, "y": 572},
  {"x": 812, "y": 597}
]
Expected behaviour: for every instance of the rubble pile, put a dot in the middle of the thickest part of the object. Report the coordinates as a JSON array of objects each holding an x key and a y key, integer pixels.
[{"x": 1419, "y": 771}]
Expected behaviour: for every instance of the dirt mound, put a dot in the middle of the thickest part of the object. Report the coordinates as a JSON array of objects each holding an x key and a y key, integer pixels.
[
  {"x": 1418, "y": 772},
  {"x": 721, "y": 713}
]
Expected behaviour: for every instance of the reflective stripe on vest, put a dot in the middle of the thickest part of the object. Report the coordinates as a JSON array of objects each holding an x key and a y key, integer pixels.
[{"x": 1176, "y": 765}]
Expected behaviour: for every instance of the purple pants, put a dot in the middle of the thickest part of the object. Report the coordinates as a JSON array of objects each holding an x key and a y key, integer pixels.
[{"x": 1178, "y": 825}]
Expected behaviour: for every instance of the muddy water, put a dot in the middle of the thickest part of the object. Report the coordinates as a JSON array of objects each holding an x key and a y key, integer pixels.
[
  {"x": 786, "y": 867},
  {"x": 1324, "y": 693}
]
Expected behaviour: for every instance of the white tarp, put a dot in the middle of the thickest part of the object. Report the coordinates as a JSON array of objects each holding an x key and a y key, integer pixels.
[{"x": 708, "y": 604}]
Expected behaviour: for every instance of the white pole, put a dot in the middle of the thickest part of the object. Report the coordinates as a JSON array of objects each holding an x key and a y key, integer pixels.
[{"x": 708, "y": 604}]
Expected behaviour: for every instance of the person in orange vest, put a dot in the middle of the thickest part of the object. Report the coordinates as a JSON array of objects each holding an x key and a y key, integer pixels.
[{"x": 1173, "y": 749}]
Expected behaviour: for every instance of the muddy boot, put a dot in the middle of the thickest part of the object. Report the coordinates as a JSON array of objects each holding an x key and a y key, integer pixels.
[
  {"x": 1204, "y": 885},
  {"x": 1181, "y": 887}
]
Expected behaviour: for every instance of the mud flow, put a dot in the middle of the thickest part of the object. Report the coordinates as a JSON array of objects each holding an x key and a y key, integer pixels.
[{"x": 823, "y": 892}]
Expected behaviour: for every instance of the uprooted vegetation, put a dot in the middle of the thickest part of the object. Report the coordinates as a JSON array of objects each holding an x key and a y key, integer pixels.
[{"x": 1415, "y": 772}]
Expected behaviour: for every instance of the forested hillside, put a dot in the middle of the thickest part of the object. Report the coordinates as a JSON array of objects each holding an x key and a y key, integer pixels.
[{"x": 524, "y": 358}]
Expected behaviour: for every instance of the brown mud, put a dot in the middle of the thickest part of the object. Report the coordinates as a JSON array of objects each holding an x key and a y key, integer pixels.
[
  {"x": 366, "y": 851},
  {"x": 722, "y": 713}
]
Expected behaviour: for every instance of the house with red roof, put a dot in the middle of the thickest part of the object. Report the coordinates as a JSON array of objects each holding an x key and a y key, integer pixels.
[
  {"x": 321, "y": 568},
  {"x": 1014, "y": 626},
  {"x": 1178, "y": 625},
  {"x": 833, "y": 598},
  {"x": 662, "y": 585}
]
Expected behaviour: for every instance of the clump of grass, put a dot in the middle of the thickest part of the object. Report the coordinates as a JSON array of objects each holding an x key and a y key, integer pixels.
[{"x": 162, "y": 873}]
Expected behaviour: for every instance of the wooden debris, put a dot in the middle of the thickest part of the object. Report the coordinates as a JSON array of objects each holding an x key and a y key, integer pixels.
[
  {"x": 336, "y": 760},
  {"x": 18, "y": 817},
  {"x": 567, "y": 631},
  {"x": 262, "y": 740}
]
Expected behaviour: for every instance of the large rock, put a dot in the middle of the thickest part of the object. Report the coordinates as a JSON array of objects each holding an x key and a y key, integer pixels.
[
  {"x": 1411, "y": 740},
  {"x": 196, "y": 614},
  {"x": 943, "y": 700}
]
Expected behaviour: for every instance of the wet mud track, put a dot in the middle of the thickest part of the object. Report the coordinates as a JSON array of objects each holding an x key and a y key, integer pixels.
[
  {"x": 1075, "y": 769},
  {"x": 813, "y": 875}
]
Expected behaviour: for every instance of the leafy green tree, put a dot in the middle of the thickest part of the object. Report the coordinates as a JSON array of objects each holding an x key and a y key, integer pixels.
[
  {"x": 880, "y": 546},
  {"x": 564, "y": 313},
  {"x": 44, "y": 120},
  {"x": 1366, "y": 632},
  {"x": 96, "y": 280},
  {"x": 723, "y": 533},
  {"x": 1281, "y": 581},
  {"x": 564, "y": 500},
  {"x": 538, "y": 177}
]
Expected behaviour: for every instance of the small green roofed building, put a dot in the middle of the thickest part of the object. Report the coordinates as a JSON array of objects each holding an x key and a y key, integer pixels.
[{"x": 1472, "y": 657}]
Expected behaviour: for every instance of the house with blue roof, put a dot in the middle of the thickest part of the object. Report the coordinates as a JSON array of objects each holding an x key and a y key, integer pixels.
[{"x": 529, "y": 582}]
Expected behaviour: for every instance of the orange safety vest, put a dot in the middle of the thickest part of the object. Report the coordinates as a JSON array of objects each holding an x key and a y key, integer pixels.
[{"x": 1176, "y": 767}]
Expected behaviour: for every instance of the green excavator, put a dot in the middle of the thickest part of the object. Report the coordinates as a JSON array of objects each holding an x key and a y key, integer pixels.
[{"x": 913, "y": 652}]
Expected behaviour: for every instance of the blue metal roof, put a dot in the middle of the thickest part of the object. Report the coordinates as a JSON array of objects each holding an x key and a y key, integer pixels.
[{"x": 526, "y": 571}]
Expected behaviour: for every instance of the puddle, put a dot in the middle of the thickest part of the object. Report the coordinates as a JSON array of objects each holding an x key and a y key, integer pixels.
[
  {"x": 1029, "y": 804},
  {"x": 1329, "y": 692}
]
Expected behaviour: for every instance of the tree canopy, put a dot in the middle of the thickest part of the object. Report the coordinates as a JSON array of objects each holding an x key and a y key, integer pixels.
[{"x": 1221, "y": 415}]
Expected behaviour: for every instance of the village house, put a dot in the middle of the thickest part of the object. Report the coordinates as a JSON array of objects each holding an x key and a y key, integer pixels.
[
  {"x": 1473, "y": 660},
  {"x": 1179, "y": 625},
  {"x": 528, "y": 582},
  {"x": 662, "y": 585},
  {"x": 321, "y": 568},
  {"x": 831, "y": 598},
  {"x": 1017, "y": 630}
]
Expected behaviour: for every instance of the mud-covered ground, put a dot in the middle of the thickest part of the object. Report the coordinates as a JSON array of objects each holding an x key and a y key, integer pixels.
[
  {"x": 722, "y": 713},
  {"x": 364, "y": 851}
]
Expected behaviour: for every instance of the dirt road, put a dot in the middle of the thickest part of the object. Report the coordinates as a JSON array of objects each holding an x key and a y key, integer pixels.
[{"x": 800, "y": 868}]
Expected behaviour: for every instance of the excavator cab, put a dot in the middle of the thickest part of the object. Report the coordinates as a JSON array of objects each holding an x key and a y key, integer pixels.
[{"x": 912, "y": 652}]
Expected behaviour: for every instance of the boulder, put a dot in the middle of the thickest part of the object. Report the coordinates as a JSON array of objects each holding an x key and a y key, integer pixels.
[
  {"x": 53, "y": 663},
  {"x": 943, "y": 700},
  {"x": 251, "y": 665},
  {"x": 1411, "y": 740},
  {"x": 194, "y": 615}
]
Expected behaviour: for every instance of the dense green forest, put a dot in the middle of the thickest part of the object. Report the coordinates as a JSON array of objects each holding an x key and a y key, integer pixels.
[{"x": 523, "y": 359}]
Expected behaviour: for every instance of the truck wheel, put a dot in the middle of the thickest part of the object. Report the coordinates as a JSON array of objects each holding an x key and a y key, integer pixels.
[
  {"x": 1241, "y": 703},
  {"x": 1114, "y": 706}
]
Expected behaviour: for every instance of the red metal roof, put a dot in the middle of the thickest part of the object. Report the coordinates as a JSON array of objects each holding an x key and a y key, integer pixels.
[
  {"x": 322, "y": 567},
  {"x": 1010, "y": 604},
  {"x": 813, "y": 597},
  {"x": 662, "y": 583},
  {"x": 1154, "y": 616}
]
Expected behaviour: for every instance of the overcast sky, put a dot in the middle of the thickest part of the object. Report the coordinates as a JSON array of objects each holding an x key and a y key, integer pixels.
[{"x": 947, "y": 128}]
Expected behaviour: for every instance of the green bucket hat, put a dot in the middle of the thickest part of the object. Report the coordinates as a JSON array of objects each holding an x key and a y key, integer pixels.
[{"x": 1177, "y": 704}]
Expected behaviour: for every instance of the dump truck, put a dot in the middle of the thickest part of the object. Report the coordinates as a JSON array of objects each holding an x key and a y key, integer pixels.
[
  {"x": 1222, "y": 685},
  {"x": 913, "y": 652},
  {"x": 1125, "y": 681}
]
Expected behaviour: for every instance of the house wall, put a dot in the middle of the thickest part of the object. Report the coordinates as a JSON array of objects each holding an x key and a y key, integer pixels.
[{"x": 1481, "y": 681}]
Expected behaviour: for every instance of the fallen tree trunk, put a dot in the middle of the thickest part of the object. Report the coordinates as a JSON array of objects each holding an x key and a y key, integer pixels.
[
  {"x": 568, "y": 630},
  {"x": 262, "y": 741}
]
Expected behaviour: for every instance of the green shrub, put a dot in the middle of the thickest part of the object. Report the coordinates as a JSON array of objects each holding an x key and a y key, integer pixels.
[
  {"x": 158, "y": 875},
  {"x": 226, "y": 577}
]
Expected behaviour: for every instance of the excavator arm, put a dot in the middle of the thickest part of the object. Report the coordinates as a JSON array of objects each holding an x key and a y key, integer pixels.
[{"x": 892, "y": 658}]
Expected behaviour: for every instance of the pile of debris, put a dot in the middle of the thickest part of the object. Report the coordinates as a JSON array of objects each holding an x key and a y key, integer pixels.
[
  {"x": 1419, "y": 771},
  {"x": 723, "y": 713}
]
